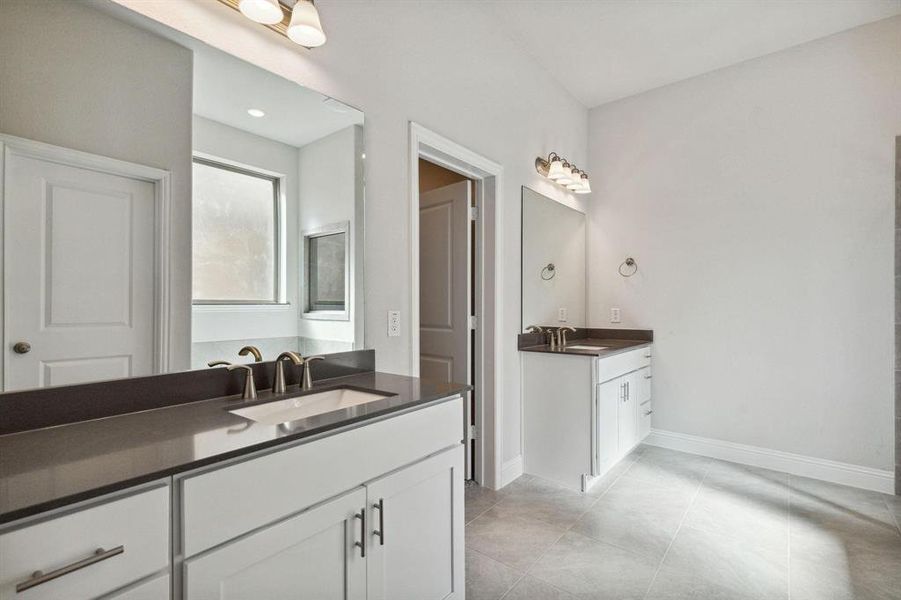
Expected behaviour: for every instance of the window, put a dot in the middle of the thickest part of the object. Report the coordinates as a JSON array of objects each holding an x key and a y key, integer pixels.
[
  {"x": 326, "y": 272},
  {"x": 236, "y": 224}
]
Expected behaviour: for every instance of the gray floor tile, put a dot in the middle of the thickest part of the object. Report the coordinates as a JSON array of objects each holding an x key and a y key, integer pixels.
[
  {"x": 859, "y": 575},
  {"x": 514, "y": 541},
  {"x": 486, "y": 578},
  {"x": 530, "y": 588},
  {"x": 593, "y": 570},
  {"x": 676, "y": 585},
  {"x": 756, "y": 520},
  {"x": 478, "y": 499},
  {"x": 546, "y": 501},
  {"x": 728, "y": 562},
  {"x": 667, "y": 467},
  {"x": 636, "y": 515},
  {"x": 745, "y": 480}
]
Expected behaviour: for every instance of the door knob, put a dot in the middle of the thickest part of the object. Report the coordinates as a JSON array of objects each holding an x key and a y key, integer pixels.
[{"x": 22, "y": 348}]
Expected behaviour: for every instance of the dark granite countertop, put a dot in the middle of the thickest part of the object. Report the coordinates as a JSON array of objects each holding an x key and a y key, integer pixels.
[
  {"x": 47, "y": 468},
  {"x": 604, "y": 347}
]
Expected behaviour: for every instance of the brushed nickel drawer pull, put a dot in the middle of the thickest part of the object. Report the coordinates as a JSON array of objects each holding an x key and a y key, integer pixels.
[
  {"x": 362, "y": 543},
  {"x": 648, "y": 413},
  {"x": 648, "y": 376},
  {"x": 380, "y": 506},
  {"x": 39, "y": 577}
]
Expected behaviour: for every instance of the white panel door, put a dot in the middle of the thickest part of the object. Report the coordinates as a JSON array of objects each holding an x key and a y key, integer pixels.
[
  {"x": 609, "y": 397},
  {"x": 78, "y": 274},
  {"x": 418, "y": 553},
  {"x": 312, "y": 555},
  {"x": 444, "y": 238}
]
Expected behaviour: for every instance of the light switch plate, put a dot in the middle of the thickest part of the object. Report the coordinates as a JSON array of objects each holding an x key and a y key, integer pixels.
[
  {"x": 393, "y": 323},
  {"x": 561, "y": 315},
  {"x": 614, "y": 315}
]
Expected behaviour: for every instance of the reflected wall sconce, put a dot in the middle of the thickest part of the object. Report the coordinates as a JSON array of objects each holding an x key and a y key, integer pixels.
[
  {"x": 298, "y": 20},
  {"x": 560, "y": 171}
]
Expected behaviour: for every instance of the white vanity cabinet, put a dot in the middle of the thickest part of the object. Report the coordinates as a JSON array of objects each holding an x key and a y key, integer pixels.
[
  {"x": 91, "y": 552},
  {"x": 371, "y": 513},
  {"x": 582, "y": 414}
]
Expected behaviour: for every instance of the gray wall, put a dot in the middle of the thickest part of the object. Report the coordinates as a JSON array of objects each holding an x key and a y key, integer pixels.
[{"x": 75, "y": 77}]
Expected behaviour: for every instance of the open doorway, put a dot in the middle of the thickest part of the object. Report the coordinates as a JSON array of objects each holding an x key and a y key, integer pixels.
[{"x": 447, "y": 290}]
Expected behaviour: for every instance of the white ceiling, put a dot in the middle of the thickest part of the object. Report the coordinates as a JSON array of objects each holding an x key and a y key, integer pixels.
[
  {"x": 604, "y": 50},
  {"x": 225, "y": 87}
]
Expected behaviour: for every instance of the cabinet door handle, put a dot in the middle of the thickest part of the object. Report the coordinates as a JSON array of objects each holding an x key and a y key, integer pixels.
[
  {"x": 39, "y": 577},
  {"x": 362, "y": 543},
  {"x": 648, "y": 376},
  {"x": 380, "y": 506},
  {"x": 648, "y": 413}
]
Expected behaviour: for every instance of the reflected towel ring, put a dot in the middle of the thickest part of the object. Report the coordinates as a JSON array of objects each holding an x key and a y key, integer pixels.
[
  {"x": 548, "y": 272},
  {"x": 630, "y": 264}
]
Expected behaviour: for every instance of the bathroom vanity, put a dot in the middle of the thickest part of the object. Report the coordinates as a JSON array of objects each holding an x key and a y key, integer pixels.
[
  {"x": 585, "y": 405},
  {"x": 196, "y": 501}
]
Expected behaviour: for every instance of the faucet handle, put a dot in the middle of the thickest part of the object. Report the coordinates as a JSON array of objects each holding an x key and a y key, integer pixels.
[
  {"x": 307, "y": 375},
  {"x": 250, "y": 389},
  {"x": 218, "y": 363},
  {"x": 534, "y": 329}
]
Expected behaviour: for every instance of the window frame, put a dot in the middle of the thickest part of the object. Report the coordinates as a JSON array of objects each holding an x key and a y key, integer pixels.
[
  {"x": 342, "y": 227},
  {"x": 279, "y": 239}
]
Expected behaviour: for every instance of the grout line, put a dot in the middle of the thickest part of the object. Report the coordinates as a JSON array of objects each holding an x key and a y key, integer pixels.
[{"x": 678, "y": 529}]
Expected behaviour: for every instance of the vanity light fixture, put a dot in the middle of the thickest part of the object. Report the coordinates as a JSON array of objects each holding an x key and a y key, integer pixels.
[
  {"x": 255, "y": 112},
  {"x": 298, "y": 20},
  {"x": 267, "y": 12},
  {"x": 559, "y": 170}
]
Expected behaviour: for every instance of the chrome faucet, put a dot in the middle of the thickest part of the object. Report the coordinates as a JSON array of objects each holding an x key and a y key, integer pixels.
[
  {"x": 307, "y": 375},
  {"x": 561, "y": 333},
  {"x": 250, "y": 389},
  {"x": 279, "y": 386},
  {"x": 534, "y": 329},
  {"x": 257, "y": 355}
]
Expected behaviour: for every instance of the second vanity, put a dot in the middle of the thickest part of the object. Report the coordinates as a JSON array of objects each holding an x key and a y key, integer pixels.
[
  {"x": 365, "y": 502},
  {"x": 586, "y": 405}
]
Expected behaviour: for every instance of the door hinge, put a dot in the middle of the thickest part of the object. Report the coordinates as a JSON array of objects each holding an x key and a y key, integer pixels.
[
  {"x": 473, "y": 322},
  {"x": 473, "y": 213},
  {"x": 473, "y": 432}
]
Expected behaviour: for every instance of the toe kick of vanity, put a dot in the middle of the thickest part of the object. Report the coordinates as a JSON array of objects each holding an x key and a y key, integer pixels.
[{"x": 582, "y": 414}]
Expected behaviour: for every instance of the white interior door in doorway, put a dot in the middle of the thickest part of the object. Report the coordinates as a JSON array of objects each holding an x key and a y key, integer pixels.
[
  {"x": 444, "y": 283},
  {"x": 78, "y": 273}
]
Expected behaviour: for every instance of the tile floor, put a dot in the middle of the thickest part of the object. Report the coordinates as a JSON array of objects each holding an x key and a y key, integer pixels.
[{"x": 668, "y": 525}]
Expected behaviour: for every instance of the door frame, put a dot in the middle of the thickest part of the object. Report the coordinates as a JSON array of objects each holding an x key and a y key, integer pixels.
[
  {"x": 489, "y": 296},
  {"x": 16, "y": 146}
]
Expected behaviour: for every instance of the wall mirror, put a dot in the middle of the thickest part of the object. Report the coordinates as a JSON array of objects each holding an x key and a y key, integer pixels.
[
  {"x": 553, "y": 263},
  {"x": 166, "y": 204}
]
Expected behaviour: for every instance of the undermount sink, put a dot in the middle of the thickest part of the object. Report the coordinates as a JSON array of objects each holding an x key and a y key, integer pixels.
[
  {"x": 584, "y": 347},
  {"x": 308, "y": 405}
]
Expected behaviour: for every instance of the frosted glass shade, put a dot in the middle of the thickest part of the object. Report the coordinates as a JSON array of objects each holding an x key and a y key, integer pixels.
[
  {"x": 305, "y": 28},
  {"x": 576, "y": 183},
  {"x": 267, "y": 12},
  {"x": 585, "y": 188},
  {"x": 566, "y": 175},
  {"x": 555, "y": 170}
]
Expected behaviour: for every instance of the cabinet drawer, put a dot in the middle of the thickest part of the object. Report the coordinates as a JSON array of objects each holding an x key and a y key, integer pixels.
[
  {"x": 222, "y": 504},
  {"x": 612, "y": 367},
  {"x": 138, "y": 524}
]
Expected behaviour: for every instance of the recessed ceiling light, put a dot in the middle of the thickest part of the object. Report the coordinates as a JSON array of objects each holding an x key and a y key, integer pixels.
[{"x": 255, "y": 112}]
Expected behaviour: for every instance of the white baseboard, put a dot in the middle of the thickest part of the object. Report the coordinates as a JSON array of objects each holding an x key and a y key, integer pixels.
[
  {"x": 510, "y": 470},
  {"x": 796, "y": 464}
]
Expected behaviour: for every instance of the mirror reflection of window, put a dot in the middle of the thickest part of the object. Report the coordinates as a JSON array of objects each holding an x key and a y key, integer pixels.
[
  {"x": 235, "y": 242},
  {"x": 327, "y": 272}
]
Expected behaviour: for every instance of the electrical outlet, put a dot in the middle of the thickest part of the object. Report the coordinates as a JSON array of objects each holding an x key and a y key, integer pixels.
[
  {"x": 561, "y": 315},
  {"x": 393, "y": 323},
  {"x": 614, "y": 315}
]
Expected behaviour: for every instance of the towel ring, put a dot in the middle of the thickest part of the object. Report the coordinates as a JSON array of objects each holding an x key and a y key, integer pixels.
[
  {"x": 629, "y": 263},
  {"x": 548, "y": 272}
]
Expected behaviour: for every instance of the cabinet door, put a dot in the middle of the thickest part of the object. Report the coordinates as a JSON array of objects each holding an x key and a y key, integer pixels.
[
  {"x": 628, "y": 413},
  {"x": 415, "y": 525},
  {"x": 609, "y": 397},
  {"x": 312, "y": 555}
]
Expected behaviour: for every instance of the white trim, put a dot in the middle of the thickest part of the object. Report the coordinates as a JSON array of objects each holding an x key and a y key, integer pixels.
[
  {"x": 160, "y": 179},
  {"x": 795, "y": 464},
  {"x": 488, "y": 176},
  {"x": 511, "y": 470}
]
